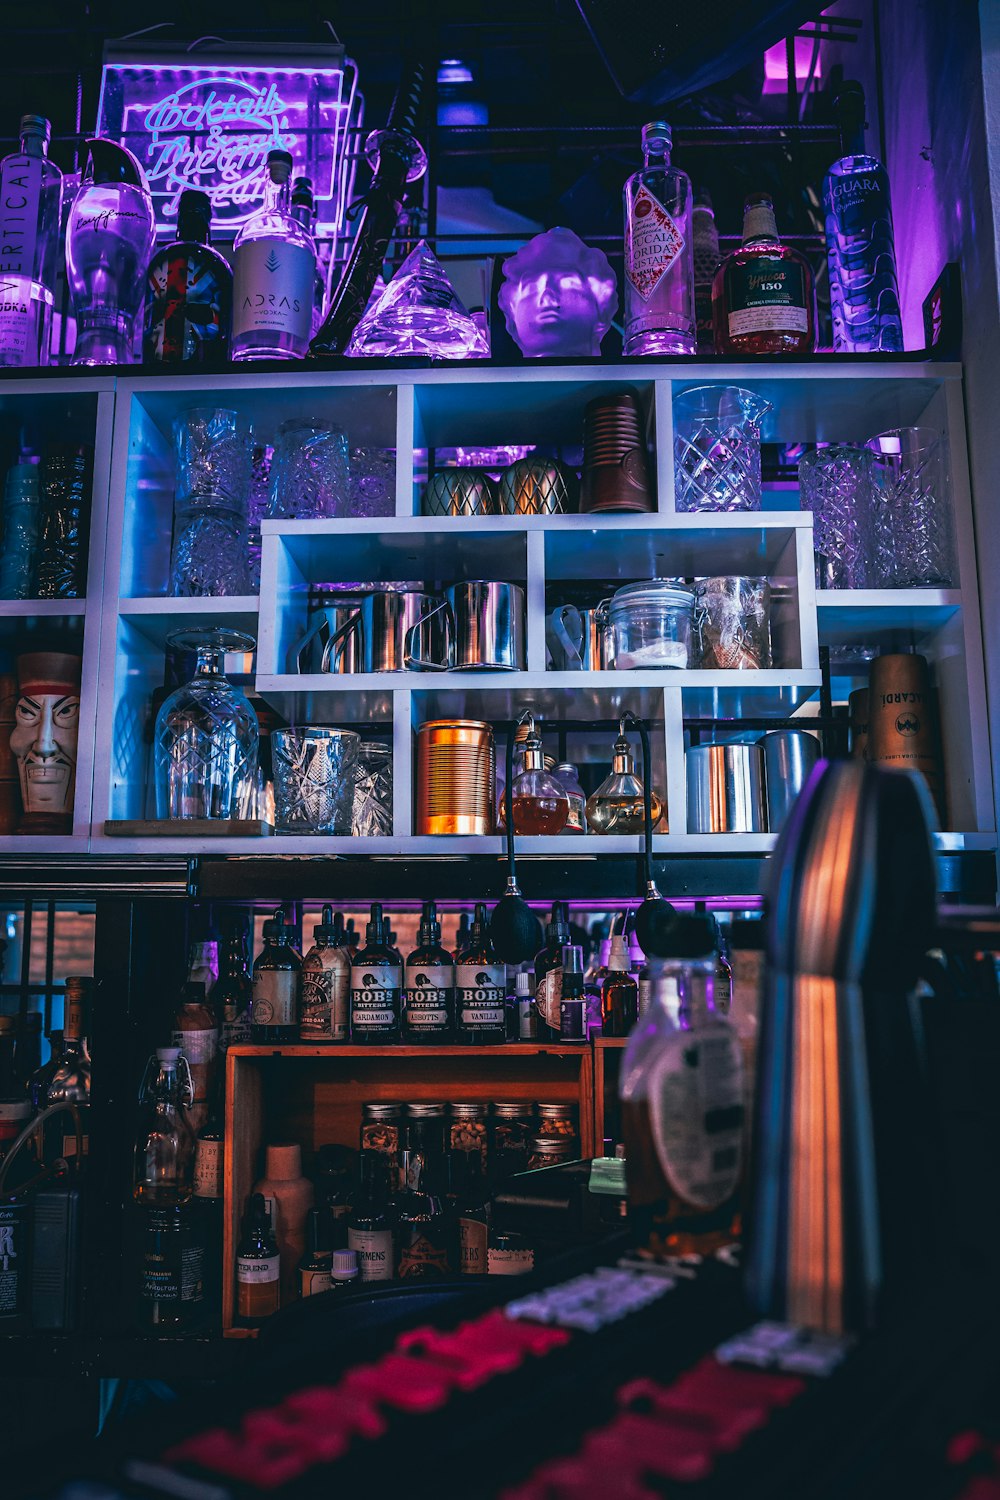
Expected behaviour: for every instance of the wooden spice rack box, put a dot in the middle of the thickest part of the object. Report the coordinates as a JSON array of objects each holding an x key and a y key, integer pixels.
[{"x": 314, "y": 1095}]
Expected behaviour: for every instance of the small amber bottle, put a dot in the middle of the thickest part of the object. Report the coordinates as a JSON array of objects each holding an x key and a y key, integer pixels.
[{"x": 619, "y": 993}]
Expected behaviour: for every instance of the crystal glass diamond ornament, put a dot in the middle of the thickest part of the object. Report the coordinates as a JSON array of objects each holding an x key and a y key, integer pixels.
[
  {"x": 419, "y": 313},
  {"x": 206, "y": 738}
]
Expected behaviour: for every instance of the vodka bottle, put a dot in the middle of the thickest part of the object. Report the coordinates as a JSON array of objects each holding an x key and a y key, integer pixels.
[
  {"x": 274, "y": 265},
  {"x": 303, "y": 208},
  {"x": 30, "y": 220},
  {"x": 659, "y": 253},
  {"x": 864, "y": 298}
]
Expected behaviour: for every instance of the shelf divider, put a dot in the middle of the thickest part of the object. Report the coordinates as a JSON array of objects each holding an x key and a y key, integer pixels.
[
  {"x": 402, "y": 764},
  {"x": 405, "y": 499}
]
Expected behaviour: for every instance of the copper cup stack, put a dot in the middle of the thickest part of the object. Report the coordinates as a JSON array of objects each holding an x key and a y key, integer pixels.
[
  {"x": 615, "y": 463},
  {"x": 904, "y": 732},
  {"x": 456, "y": 776}
]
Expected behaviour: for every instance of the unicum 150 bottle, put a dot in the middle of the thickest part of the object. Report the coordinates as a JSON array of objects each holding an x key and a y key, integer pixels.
[{"x": 861, "y": 252}]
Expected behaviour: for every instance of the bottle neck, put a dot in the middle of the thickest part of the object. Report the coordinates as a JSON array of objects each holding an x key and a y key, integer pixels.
[
  {"x": 759, "y": 223},
  {"x": 33, "y": 144},
  {"x": 193, "y": 230},
  {"x": 276, "y": 196},
  {"x": 209, "y": 661},
  {"x": 655, "y": 157}
]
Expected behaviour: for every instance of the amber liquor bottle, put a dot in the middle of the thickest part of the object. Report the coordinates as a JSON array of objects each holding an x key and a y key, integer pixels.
[{"x": 763, "y": 299}]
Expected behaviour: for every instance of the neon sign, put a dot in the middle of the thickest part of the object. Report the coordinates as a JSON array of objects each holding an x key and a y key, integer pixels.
[{"x": 209, "y": 124}]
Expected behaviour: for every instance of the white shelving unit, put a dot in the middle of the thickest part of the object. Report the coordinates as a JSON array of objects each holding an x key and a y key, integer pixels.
[{"x": 127, "y": 618}]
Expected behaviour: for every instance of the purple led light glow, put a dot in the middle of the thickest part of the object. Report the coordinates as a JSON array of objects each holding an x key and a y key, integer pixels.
[{"x": 210, "y": 125}]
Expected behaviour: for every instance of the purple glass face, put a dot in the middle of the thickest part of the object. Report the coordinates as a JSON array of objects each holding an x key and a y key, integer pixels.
[
  {"x": 558, "y": 296},
  {"x": 210, "y": 127}
]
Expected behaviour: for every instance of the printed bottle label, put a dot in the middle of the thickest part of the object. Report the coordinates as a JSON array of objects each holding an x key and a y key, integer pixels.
[
  {"x": 273, "y": 290},
  {"x": 20, "y": 201},
  {"x": 767, "y": 297},
  {"x": 374, "y": 1251},
  {"x": 199, "y": 1047},
  {"x": 652, "y": 244},
  {"x": 17, "y": 327},
  {"x": 208, "y": 1159},
  {"x": 472, "y": 1235},
  {"x": 375, "y": 997},
  {"x": 324, "y": 1000},
  {"x": 252, "y": 1269},
  {"x": 481, "y": 995},
  {"x": 275, "y": 995},
  {"x": 235, "y": 1031},
  {"x": 311, "y": 1283},
  {"x": 548, "y": 997},
  {"x": 421, "y": 1254},
  {"x": 510, "y": 1262},
  {"x": 696, "y": 1108},
  {"x": 429, "y": 996}
]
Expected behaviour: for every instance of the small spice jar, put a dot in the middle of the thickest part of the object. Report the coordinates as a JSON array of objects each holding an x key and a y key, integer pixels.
[
  {"x": 513, "y": 1125},
  {"x": 509, "y": 1254},
  {"x": 380, "y": 1131},
  {"x": 426, "y": 1129},
  {"x": 559, "y": 1119},
  {"x": 549, "y": 1151},
  {"x": 467, "y": 1129}
]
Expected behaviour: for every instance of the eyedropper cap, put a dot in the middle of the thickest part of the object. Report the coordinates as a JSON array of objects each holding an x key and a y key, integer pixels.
[
  {"x": 375, "y": 930},
  {"x": 327, "y": 928},
  {"x": 430, "y": 927}
]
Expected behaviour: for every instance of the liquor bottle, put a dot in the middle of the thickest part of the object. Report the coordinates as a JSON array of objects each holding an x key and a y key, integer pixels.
[
  {"x": 315, "y": 1265},
  {"x": 209, "y": 1146},
  {"x": 593, "y": 985},
  {"x": 258, "y": 1272},
  {"x": 303, "y": 208},
  {"x": 472, "y": 1214},
  {"x": 274, "y": 263},
  {"x": 110, "y": 235},
  {"x": 682, "y": 1099},
  {"x": 326, "y": 983},
  {"x": 171, "y": 1293},
  {"x": 376, "y": 987},
  {"x": 38, "y": 1084},
  {"x": 369, "y": 1229},
  {"x": 189, "y": 294},
  {"x": 659, "y": 252},
  {"x": 277, "y": 974},
  {"x": 527, "y": 1011},
  {"x": 763, "y": 299},
  {"x": 69, "y": 1083},
  {"x": 707, "y": 259},
  {"x": 461, "y": 936},
  {"x": 232, "y": 997},
  {"x": 164, "y": 1148},
  {"x": 572, "y": 1004},
  {"x": 289, "y": 1197},
  {"x": 480, "y": 989},
  {"x": 423, "y": 1236},
  {"x": 428, "y": 985},
  {"x": 196, "y": 1033},
  {"x": 860, "y": 248},
  {"x": 203, "y": 964},
  {"x": 619, "y": 993},
  {"x": 31, "y": 229},
  {"x": 548, "y": 973}
]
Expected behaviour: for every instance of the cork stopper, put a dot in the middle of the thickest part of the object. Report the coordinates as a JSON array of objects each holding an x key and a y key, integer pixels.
[
  {"x": 284, "y": 1163},
  {"x": 758, "y": 218}
]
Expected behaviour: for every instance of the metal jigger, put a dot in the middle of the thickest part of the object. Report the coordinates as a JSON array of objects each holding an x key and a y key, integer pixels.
[{"x": 838, "y": 1194}]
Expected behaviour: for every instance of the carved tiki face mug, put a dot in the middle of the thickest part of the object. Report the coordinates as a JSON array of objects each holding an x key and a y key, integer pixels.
[
  {"x": 558, "y": 296},
  {"x": 44, "y": 739}
]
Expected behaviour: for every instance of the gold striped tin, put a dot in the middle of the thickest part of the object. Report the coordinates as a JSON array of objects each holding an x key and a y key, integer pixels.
[{"x": 456, "y": 776}]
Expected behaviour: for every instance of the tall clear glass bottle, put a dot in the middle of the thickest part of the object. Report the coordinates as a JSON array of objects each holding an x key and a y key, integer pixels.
[
  {"x": 164, "y": 1147},
  {"x": 30, "y": 243},
  {"x": 860, "y": 247},
  {"x": 274, "y": 265},
  {"x": 659, "y": 252}
]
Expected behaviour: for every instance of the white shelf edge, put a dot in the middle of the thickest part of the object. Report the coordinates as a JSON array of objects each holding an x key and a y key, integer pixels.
[
  {"x": 23, "y": 609},
  {"x": 719, "y": 521},
  {"x": 835, "y": 600},
  {"x": 690, "y": 679},
  {"x": 155, "y": 604}
]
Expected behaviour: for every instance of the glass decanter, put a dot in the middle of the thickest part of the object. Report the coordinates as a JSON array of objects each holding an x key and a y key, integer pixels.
[
  {"x": 617, "y": 805},
  {"x": 109, "y": 238},
  {"x": 164, "y": 1143},
  {"x": 539, "y": 801},
  {"x": 206, "y": 738}
]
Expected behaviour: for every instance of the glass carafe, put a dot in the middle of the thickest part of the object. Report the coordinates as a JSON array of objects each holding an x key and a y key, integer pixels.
[
  {"x": 109, "y": 239},
  {"x": 717, "y": 448},
  {"x": 206, "y": 738},
  {"x": 164, "y": 1143}
]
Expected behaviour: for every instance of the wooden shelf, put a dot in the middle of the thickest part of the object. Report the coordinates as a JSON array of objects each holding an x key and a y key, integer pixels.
[{"x": 334, "y": 1050}]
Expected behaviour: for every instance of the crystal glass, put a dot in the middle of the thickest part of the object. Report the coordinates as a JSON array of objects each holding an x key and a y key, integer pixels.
[
  {"x": 836, "y": 484},
  {"x": 309, "y": 471},
  {"x": 733, "y": 616},
  {"x": 214, "y": 451},
  {"x": 315, "y": 770},
  {"x": 372, "y": 816},
  {"x": 419, "y": 312},
  {"x": 206, "y": 738},
  {"x": 717, "y": 448},
  {"x": 913, "y": 538},
  {"x": 372, "y": 482}
]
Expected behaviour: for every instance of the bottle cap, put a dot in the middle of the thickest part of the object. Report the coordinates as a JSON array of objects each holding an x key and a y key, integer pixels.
[
  {"x": 194, "y": 205},
  {"x": 193, "y": 993},
  {"x": 284, "y": 1162},
  {"x": 657, "y": 131},
  {"x": 703, "y": 200},
  {"x": 430, "y": 927},
  {"x": 558, "y": 923},
  {"x": 167, "y": 1054},
  {"x": 618, "y": 958},
  {"x": 572, "y": 959},
  {"x": 479, "y": 922},
  {"x": 375, "y": 930},
  {"x": 36, "y": 125},
  {"x": 345, "y": 1265},
  {"x": 327, "y": 927},
  {"x": 279, "y": 165},
  {"x": 523, "y": 984}
]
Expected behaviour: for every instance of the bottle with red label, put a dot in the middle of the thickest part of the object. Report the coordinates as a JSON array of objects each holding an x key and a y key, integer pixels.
[
  {"x": 659, "y": 252},
  {"x": 763, "y": 298}
]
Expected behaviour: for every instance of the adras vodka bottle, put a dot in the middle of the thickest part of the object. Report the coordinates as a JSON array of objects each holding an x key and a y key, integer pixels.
[
  {"x": 659, "y": 252},
  {"x": 30, "y": 240},
  {"x": 274, "y": 266},
  {"x": 376, "y": 988},
  {"x": 861, "y": 252},
  {"x": 189, "y": 294},
  {"x": 429, "y": 985}
]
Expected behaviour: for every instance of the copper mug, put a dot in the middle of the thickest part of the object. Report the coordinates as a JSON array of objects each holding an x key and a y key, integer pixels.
[{"x": 456, "y": 776}]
